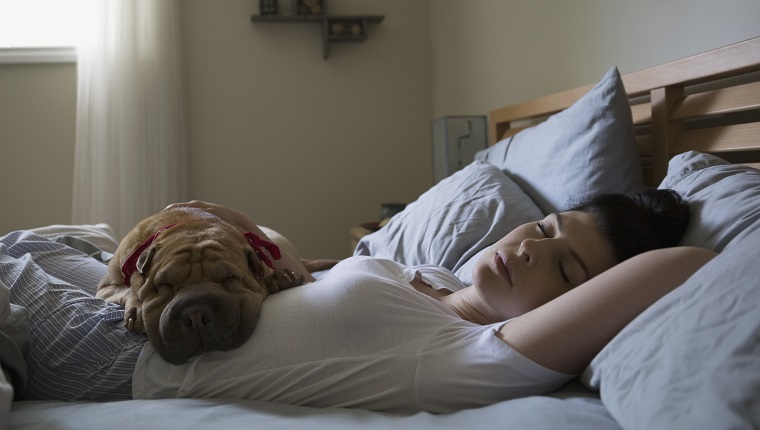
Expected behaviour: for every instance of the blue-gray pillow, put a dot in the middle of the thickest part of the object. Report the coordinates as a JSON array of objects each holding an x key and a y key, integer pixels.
[
  {"x": 453, "y": 221},
  {"x": 690, "y": 361},
  {"x": 585, "y": 150},
  {"x": 724, "y": 198}
]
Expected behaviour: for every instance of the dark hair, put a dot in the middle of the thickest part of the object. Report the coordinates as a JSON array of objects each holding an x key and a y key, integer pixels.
[{"x": 652, "y": 219}]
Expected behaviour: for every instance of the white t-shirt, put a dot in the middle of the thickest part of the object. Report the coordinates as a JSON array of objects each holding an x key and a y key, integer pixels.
[{"x": 360, "y": 337}]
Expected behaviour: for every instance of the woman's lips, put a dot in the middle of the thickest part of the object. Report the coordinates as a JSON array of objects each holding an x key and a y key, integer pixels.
[{"x": 502, "y": 266}]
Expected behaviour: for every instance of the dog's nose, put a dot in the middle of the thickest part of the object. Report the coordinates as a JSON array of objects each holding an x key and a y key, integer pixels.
[{"x": 197, "y": 317}]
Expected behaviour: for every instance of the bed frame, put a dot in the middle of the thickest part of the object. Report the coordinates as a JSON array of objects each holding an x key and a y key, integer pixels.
[{"x": 709, "y": 102}]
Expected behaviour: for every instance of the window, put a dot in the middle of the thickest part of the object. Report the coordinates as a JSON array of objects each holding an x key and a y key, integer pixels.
[{"x": 39, "y": 30}]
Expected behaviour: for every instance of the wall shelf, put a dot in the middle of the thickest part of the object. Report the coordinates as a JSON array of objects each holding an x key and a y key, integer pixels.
[{"x": 335, "y": 28}]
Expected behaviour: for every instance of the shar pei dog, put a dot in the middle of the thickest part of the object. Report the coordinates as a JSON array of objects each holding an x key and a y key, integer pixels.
[{"x": 192, "y": 282}]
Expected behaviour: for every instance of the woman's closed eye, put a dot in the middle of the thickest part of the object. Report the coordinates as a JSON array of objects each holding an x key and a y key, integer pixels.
[
  {"x": 542, "y": 229},
  {"x": 562, "y": 272}
]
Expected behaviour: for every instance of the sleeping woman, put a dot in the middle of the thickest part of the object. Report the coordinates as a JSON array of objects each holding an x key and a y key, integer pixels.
[{"x": 378, "y": 335}]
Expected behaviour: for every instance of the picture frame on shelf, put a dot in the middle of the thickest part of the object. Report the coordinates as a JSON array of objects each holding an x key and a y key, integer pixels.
[{"x": 309, "y": 7}]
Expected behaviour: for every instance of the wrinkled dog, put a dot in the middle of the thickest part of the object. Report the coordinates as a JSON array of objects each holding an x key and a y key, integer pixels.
[{"x": 192, "y": 282}]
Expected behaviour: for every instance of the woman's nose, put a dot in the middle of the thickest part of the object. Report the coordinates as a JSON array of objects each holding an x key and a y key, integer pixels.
[
  {"x": 529, "y": 251},
  {"x": 533, "y": 251}
]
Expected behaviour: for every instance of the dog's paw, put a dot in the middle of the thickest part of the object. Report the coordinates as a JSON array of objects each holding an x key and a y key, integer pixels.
[
  {"x": 133, "y": 317},
  {"x": 282, "y": 279}
]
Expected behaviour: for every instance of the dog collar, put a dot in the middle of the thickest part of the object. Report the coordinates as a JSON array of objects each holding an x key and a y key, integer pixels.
[
  {"x": 258, "y": 243},
  {"x": 130, "y": 264}
]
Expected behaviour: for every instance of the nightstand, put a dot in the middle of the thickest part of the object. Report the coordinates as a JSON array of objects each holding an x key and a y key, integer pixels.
[{"x": 359, "y": 231}]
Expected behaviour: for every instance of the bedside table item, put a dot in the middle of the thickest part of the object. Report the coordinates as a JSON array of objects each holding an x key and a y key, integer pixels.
[
  {"x": 456, "y": 139},
  {"x": 359, "y": 231},
  {"x": 387, "y": 210}
]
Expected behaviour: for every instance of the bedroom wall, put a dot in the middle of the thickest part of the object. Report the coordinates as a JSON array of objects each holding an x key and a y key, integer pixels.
[
  {"x": 489, "y": 53},
  {"x": 312, "y": 147},
  {"x": 308, "y": 146},
  {"x": 37, "y": 126}
]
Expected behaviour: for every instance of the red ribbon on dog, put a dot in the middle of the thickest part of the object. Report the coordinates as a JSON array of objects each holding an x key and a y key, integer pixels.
[
  {"x": 130, "y": 264},
  {"x": 258, "y": 243}
]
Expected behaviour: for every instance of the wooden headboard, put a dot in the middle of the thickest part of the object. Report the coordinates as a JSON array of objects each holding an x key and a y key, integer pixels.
[{"x": 708, "y": 102}]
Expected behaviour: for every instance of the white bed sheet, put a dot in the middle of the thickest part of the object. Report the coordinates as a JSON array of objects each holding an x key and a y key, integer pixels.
[{"x": 571, "y": 408}]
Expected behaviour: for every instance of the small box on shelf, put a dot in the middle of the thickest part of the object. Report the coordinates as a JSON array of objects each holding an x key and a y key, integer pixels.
[{"x": 346, "y": 29}]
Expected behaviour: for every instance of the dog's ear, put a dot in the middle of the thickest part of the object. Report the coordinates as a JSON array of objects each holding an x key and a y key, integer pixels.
[
  {"x": 143, "y": 262},
  {"x": 256, "y": 265}
]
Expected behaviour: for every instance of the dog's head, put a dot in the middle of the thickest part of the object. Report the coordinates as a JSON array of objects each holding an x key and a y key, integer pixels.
[{"x": 201, "y": 284}]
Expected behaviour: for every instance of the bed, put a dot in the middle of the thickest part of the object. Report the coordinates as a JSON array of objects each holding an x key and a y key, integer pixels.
[{"x": 692, "y": 360}]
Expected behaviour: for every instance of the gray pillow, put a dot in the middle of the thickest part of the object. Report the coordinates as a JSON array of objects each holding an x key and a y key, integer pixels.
[
  {"x": 453, "y": 221},
  {"x": 690, "y": 361},
  {"x": 585, "y": 150},
  {"x": 724, "y": 198}
]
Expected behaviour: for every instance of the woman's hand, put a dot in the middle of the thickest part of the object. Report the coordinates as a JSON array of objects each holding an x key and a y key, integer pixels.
[{"x": 226, "y": 213}]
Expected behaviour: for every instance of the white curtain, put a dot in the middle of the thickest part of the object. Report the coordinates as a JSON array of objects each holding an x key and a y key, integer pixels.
[{"x": 131, "y": 155}]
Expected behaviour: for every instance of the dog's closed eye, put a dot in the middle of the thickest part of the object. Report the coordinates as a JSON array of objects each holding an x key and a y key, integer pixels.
[
  {"x": 232, "y": 280},
  {"x": 164, "y": 288}
]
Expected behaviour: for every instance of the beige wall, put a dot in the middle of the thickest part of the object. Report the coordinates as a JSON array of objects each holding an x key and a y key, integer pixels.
[
  {"x": 304, "y": 145},
  {"x": 37, "y": 122},
  {"x": 489, "y": 53},
  {"x": 311, "y": 147}
]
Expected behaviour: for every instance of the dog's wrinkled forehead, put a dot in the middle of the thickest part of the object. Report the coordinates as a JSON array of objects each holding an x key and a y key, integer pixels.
[
  {"x": 207, "y": 257},
  {"x": 206, "y": 247},
  {"x": 196, "y": 263},
  {"x": 200, "y": 248}
]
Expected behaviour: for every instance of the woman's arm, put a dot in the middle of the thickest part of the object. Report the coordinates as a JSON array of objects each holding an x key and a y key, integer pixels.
[
  {"x": 234, "y": 216},
  {"x": 566, "y": 333}
]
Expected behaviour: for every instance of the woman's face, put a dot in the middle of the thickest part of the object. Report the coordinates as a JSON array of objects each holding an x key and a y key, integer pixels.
[{"x": 539, "y": 261}]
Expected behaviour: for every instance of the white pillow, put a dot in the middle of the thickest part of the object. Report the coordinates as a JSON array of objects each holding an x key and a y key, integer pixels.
[
  {"x": 585, "y": 150},
  {"x": 453, "y": 221},
  {"x": 100, "y": 235},
  {"x": 724, "y": 198}
]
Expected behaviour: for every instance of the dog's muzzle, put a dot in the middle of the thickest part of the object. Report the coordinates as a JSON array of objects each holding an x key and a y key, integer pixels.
[{"x": 201, "y": 319}]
